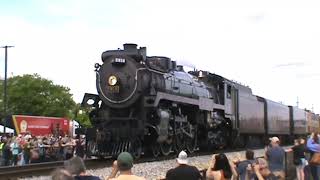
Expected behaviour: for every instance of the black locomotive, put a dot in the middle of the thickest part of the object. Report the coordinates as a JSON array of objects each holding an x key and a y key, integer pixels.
[{"x": 150, "y": 104}]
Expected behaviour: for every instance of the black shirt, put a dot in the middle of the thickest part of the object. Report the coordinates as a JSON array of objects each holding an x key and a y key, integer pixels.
[
  {"x": 6, "y": 151},
  {"x": 184, "y": 172},
  {"x": 298, "y": 153}
]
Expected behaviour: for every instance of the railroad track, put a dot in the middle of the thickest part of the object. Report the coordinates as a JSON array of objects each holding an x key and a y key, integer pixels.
[{"x": 42, "y": 169}]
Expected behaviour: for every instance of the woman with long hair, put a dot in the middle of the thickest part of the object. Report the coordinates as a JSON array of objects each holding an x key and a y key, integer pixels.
[{"x": 221, "y": 168}]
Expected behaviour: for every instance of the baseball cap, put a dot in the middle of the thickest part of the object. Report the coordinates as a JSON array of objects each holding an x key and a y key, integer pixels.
[
  {"x": 182, "y": 158},
  {"x": 125, "y": 161},
  {"x": 274, "y": 139}
]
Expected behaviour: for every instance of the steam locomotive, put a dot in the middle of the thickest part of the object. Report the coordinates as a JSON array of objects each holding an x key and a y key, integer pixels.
[{"x": 149, "y": 104}]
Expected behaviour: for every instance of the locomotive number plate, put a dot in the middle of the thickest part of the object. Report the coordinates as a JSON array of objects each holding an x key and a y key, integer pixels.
[{"x": 113, "y": 89}]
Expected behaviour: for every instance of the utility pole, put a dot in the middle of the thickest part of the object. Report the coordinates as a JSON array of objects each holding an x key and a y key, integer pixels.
[{"x": 5, "y": 85}]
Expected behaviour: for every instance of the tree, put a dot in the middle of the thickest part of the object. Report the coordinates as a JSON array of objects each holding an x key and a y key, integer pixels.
[
  {"x": 81, "y": 115},
  {"x": 34, "y": 95}
]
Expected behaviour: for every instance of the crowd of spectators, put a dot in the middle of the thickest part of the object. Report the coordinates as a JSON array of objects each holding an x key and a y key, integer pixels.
[
  {"x": 26, "y": 149},
  {"x": 269, "y": 167}
]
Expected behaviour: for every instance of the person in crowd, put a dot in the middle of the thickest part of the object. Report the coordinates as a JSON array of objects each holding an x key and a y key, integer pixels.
[
  {"x": 313, "y": 145},
  {"x": 34, "y": 149},
  {"x": 27, "y": 150},
  {"x": 276, "y": 156},
  {"x": 299, "y": 159},
  {"x": 60, "y": 151},
  {"x": 80, "y": 148},
  {"x": 61, "y": 174},
  {"x": 42, "y": 150},
  {"x": 242, "y": 165},
  {"x": 260, "y": 170},
  {"x": 183, "y": 170},
  {"x": 221, "y": 168},
  {"x": 20, "y": 156},
  {"x": 124, "y": 164},
  {"x": 34, "y": 155},
  {"x": 77, "y": 168},
  {"x": 6, "y": 152},
  {"x": 1, "y": 149},
  {"x": 15, "y": 148},
  {"x": 51, "y": 151},
  {"x": 69, "y": 145}
]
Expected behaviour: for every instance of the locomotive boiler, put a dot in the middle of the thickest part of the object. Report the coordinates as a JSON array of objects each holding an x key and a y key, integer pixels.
[{"x": 149, "y": 104}]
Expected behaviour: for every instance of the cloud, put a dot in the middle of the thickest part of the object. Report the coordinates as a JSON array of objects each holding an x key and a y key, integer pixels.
[
  {"x": 292, "y": 64},
  {"x": 308, "y": 75},
  {"x": 279, "y": 43},
  {"x": 259, "y": 17}
]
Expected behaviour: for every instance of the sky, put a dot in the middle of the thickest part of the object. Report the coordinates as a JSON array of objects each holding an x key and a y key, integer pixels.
[{"x": 271, "y": 46}]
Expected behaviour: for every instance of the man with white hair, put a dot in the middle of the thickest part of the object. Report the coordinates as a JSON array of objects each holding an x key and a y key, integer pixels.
[
  {"x": 76, "y": 167},
  {"x": 276, "y": 156},
  {"x": 183, "y": 170}
]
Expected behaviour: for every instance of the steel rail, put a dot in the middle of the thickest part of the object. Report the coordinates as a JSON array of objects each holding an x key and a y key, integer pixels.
[
  {"x": 40, "y": 169},
  {"x": 14, "y": 172}
]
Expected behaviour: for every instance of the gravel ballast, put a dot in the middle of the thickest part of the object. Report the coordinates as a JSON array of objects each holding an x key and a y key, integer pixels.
[{"x": 157, "y": 170}]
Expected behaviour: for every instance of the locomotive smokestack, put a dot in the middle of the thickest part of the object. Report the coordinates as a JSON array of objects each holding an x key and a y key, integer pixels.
[{"x": 130, "y": 47}]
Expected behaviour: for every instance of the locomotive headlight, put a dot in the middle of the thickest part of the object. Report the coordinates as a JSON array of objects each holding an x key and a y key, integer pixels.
[{"x": 112, "y": 80}]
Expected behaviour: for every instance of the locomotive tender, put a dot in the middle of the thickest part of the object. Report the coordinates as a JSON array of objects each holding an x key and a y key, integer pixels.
[{"x": 150, "y": 104}]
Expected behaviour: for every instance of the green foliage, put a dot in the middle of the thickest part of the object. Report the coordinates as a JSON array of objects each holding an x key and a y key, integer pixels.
[
  {"x": 33, "y": 95},
  {"x": 82, "y": 115}
]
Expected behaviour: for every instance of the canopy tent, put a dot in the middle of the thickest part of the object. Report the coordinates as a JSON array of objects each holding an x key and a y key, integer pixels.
[{"x": 8, "y": 130}]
